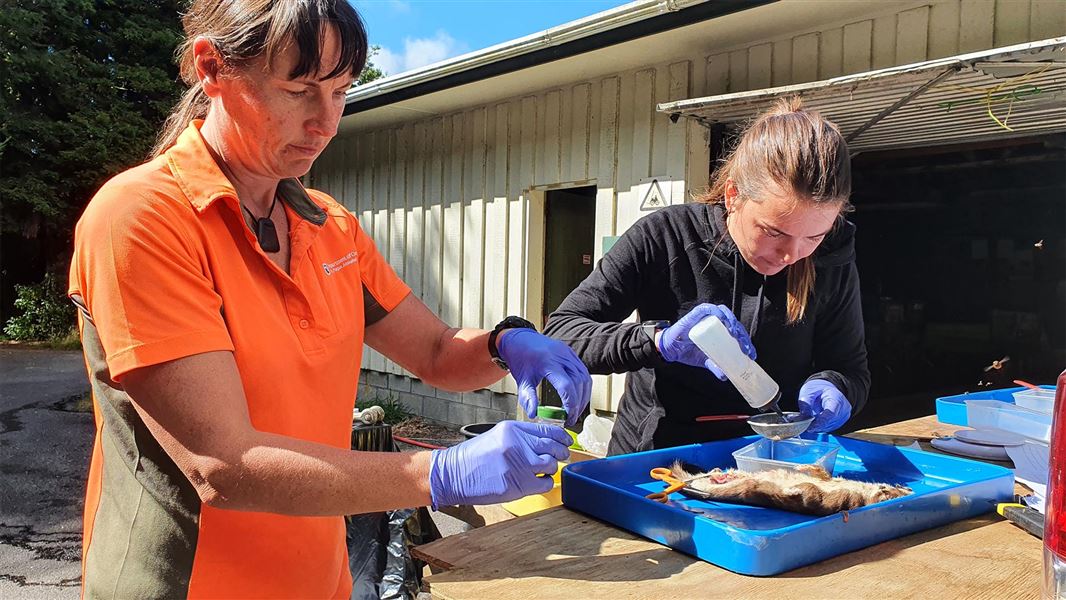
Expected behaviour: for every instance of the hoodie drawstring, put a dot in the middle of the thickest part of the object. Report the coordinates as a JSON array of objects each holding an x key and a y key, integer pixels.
[{"x": 738, "y": 292}]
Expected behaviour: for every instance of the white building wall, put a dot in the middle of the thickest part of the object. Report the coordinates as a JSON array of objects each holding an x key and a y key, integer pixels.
[{"x": 455, "y": 201}]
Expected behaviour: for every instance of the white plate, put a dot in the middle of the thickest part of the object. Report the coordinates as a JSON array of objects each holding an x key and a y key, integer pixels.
[
  {"x": 989, "y": 437},
  {"x": 961, "y": 448}
]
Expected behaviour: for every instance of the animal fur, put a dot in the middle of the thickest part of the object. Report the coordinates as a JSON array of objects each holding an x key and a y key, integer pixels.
[{"x": 813, "y": 493}]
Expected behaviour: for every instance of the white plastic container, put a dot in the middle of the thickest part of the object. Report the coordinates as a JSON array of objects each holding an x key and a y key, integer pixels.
[
  {"x": 1041, "y": 400},
  {"x": 713, "y": 337},
  {"x": 995, "y": 414}
]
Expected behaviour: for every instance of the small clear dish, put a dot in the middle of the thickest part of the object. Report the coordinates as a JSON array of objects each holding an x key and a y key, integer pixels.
[{"x": 793, "y": 454}]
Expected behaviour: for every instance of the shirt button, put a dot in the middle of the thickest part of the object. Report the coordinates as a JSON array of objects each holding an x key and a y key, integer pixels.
[{"x": 304, "y": 324}]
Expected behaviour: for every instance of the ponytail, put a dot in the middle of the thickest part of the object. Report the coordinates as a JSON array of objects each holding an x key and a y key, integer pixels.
[{"x": 193, "y": 105}]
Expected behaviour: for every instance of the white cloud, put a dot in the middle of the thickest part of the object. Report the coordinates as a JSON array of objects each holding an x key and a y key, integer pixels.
[
  {"x": 400, "y": 6},
  {"x": 418, "y": 52}
]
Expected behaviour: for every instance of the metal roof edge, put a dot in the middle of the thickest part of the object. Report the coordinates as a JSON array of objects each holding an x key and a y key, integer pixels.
[
  {"x": 622, "y": 24},
  {"x": 681, "y": 107}
]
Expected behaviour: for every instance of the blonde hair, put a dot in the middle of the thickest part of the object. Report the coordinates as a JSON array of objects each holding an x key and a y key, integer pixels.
[
  {"x": 242, "y": 30},
  {"x": 796, "y": 151}
]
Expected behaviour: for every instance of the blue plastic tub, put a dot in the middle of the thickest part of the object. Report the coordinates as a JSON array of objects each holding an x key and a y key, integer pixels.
[
  {"x": 952, "y": 409},
  {"x": 762, "y": 541}
]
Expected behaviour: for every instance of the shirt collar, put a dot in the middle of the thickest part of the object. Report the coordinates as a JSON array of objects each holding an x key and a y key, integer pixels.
[{"x": 203, "y": 182}]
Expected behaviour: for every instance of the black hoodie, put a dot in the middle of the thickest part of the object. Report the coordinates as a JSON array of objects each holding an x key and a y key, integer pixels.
[{"x": 681, "y": 256}]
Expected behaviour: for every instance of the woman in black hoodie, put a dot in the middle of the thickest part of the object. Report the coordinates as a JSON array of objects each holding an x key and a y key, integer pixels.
[{"x": 769, "y": 244}]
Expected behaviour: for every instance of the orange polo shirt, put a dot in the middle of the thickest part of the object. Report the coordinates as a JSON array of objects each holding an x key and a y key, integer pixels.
[{"x": 165, "y": 267}]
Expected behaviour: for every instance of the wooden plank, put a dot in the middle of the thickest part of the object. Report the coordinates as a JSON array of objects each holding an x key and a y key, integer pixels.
[
  {"x": 400, "y": 159},
  {"x": 781, "y": 63},
  {"x": 1047, "y": 19},
  {"x": 551, "y": 139},
  {"x": 1012, "y": 26},
  {"x": 858, "y": 39},
  {"x": 760, "y": 66},
  {"x": 595, "y": 126},
  {"x": 977, "y": 19},
  {"x": 805, "y": 58},
  {"x": 580, "y": 131},
  {"x": 452, "y": 271},
  {"x": 495, "y": 287},
  {"x": 382, "y": 180},
  {"x": 738, "y": 71},
  {"x": 416, "y": 206},
  {"x": 528, "y": 557},
  {"x": 434, "y": 218},
  {"x": 606, "y": 177},
  {"x": 716, "y": 75},
  {"x": 473, "y": 256},
  {"x": 660, "y": 123},
  {"x": 884, "y": 42},
  {"x": 912, "y": 35},
  {"x": 566, "y": 133},
  {"x": 944, "y": 20},
  {"x": 831, "y": 53},
  {"x": 677, "y": 155},
  {"x": 521, "y": 168}
]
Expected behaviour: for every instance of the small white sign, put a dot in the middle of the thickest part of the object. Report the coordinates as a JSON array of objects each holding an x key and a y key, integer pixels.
[{"x": 654, "y": 192}]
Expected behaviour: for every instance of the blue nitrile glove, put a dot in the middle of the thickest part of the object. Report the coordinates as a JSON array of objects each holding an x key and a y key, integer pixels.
[
  {"x": 674, "y": 345},
  {"x": 499, "y": 465},
  {"x": 533, "y": 357},
  {"x": 822, "y": 400}
]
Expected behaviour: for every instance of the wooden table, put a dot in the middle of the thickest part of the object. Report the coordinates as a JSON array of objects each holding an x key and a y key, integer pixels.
[{"x": 559, "y": 553}]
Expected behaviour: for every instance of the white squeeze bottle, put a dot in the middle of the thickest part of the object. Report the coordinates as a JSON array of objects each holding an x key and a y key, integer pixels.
[{"x": 758, "y": 388}]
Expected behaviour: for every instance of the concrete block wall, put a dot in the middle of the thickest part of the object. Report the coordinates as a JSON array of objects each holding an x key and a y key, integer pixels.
[{"x": 452, "y": 408}]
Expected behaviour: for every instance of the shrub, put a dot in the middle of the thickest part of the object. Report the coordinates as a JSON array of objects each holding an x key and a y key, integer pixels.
[{"x": 47, "y": 314}]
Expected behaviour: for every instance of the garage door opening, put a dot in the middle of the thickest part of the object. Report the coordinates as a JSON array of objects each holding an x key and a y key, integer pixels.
[{"x": 962, "y": 258}]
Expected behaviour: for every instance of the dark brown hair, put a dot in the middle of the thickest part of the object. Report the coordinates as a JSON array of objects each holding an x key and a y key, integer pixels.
[
  {"x": 243, "y": 30},
  {"x": 793, "y": 151}
]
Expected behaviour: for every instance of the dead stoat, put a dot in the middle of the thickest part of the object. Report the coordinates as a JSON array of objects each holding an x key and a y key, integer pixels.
[{"x": 812, "y": 493}]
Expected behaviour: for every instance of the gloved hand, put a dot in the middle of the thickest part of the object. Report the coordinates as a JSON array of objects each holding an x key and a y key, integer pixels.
[
  {"x": 822, "y": 400},
  {"x": 675, "y": 346},
  {"x": 499, "y": 465},
  {"x": 533, "y": 357}
]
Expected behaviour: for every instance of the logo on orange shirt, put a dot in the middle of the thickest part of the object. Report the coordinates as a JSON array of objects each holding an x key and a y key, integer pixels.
[{"x": 348, "y": 259}]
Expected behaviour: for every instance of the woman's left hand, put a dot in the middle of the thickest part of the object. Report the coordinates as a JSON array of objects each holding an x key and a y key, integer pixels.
[{"x": 822, "y": 400}]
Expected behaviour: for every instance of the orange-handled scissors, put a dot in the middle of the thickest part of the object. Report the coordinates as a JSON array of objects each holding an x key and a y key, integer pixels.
[{"x": 673, "y": 484}]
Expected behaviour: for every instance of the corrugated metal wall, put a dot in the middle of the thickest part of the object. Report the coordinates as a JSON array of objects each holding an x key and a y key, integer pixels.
[{"x": 455, "y": 202}]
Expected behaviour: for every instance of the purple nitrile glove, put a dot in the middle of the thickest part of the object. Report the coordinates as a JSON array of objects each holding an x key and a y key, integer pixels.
[
  {"x": 675, "y": 345},
  {"x": 822, "y": 400},
  {"x": 499, "y": 465},
  {"x": 532, "y": 357}
]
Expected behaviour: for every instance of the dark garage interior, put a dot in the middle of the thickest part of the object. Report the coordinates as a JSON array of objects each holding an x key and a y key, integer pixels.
[{"x": 962, "y": 257}]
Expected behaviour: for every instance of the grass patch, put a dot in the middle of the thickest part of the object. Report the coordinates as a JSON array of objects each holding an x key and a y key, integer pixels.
[
  {"x": 84, "y": 403},
  {"x": 395, "y": 412},
  {"x": 71, "y": 341}
]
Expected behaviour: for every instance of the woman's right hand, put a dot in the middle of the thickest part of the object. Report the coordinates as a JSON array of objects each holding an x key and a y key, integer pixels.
[
  {"x": 675, "y": 346},
  {"x": 499, "y": 465}
]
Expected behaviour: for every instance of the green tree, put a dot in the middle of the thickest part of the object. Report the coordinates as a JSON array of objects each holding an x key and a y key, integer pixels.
[
  {"x": 370, "y": 71},
  {"x": 84, "y": 86}
]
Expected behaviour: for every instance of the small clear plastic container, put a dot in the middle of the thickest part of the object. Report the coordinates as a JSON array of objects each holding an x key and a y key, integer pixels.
[
  {"x": 551, "y": 415},
  {"x": 793, "y": 453},
  {"x": 994, "y": 414},
  {"x": 1041, "y": 400}
]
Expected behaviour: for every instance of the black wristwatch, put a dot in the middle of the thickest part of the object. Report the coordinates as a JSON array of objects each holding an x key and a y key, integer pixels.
[
  {"x": 650, "y": 328},
  {"x": 511, "y": 322}
]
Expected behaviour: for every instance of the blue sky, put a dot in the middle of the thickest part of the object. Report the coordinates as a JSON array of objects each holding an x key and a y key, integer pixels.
[{"x": 414, "y": 33}]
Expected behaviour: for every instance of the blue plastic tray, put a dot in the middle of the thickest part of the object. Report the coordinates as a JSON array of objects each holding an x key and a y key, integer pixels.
[
  {"x": 952, "y": 409},
  {"x": 762, "y": 541}
]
